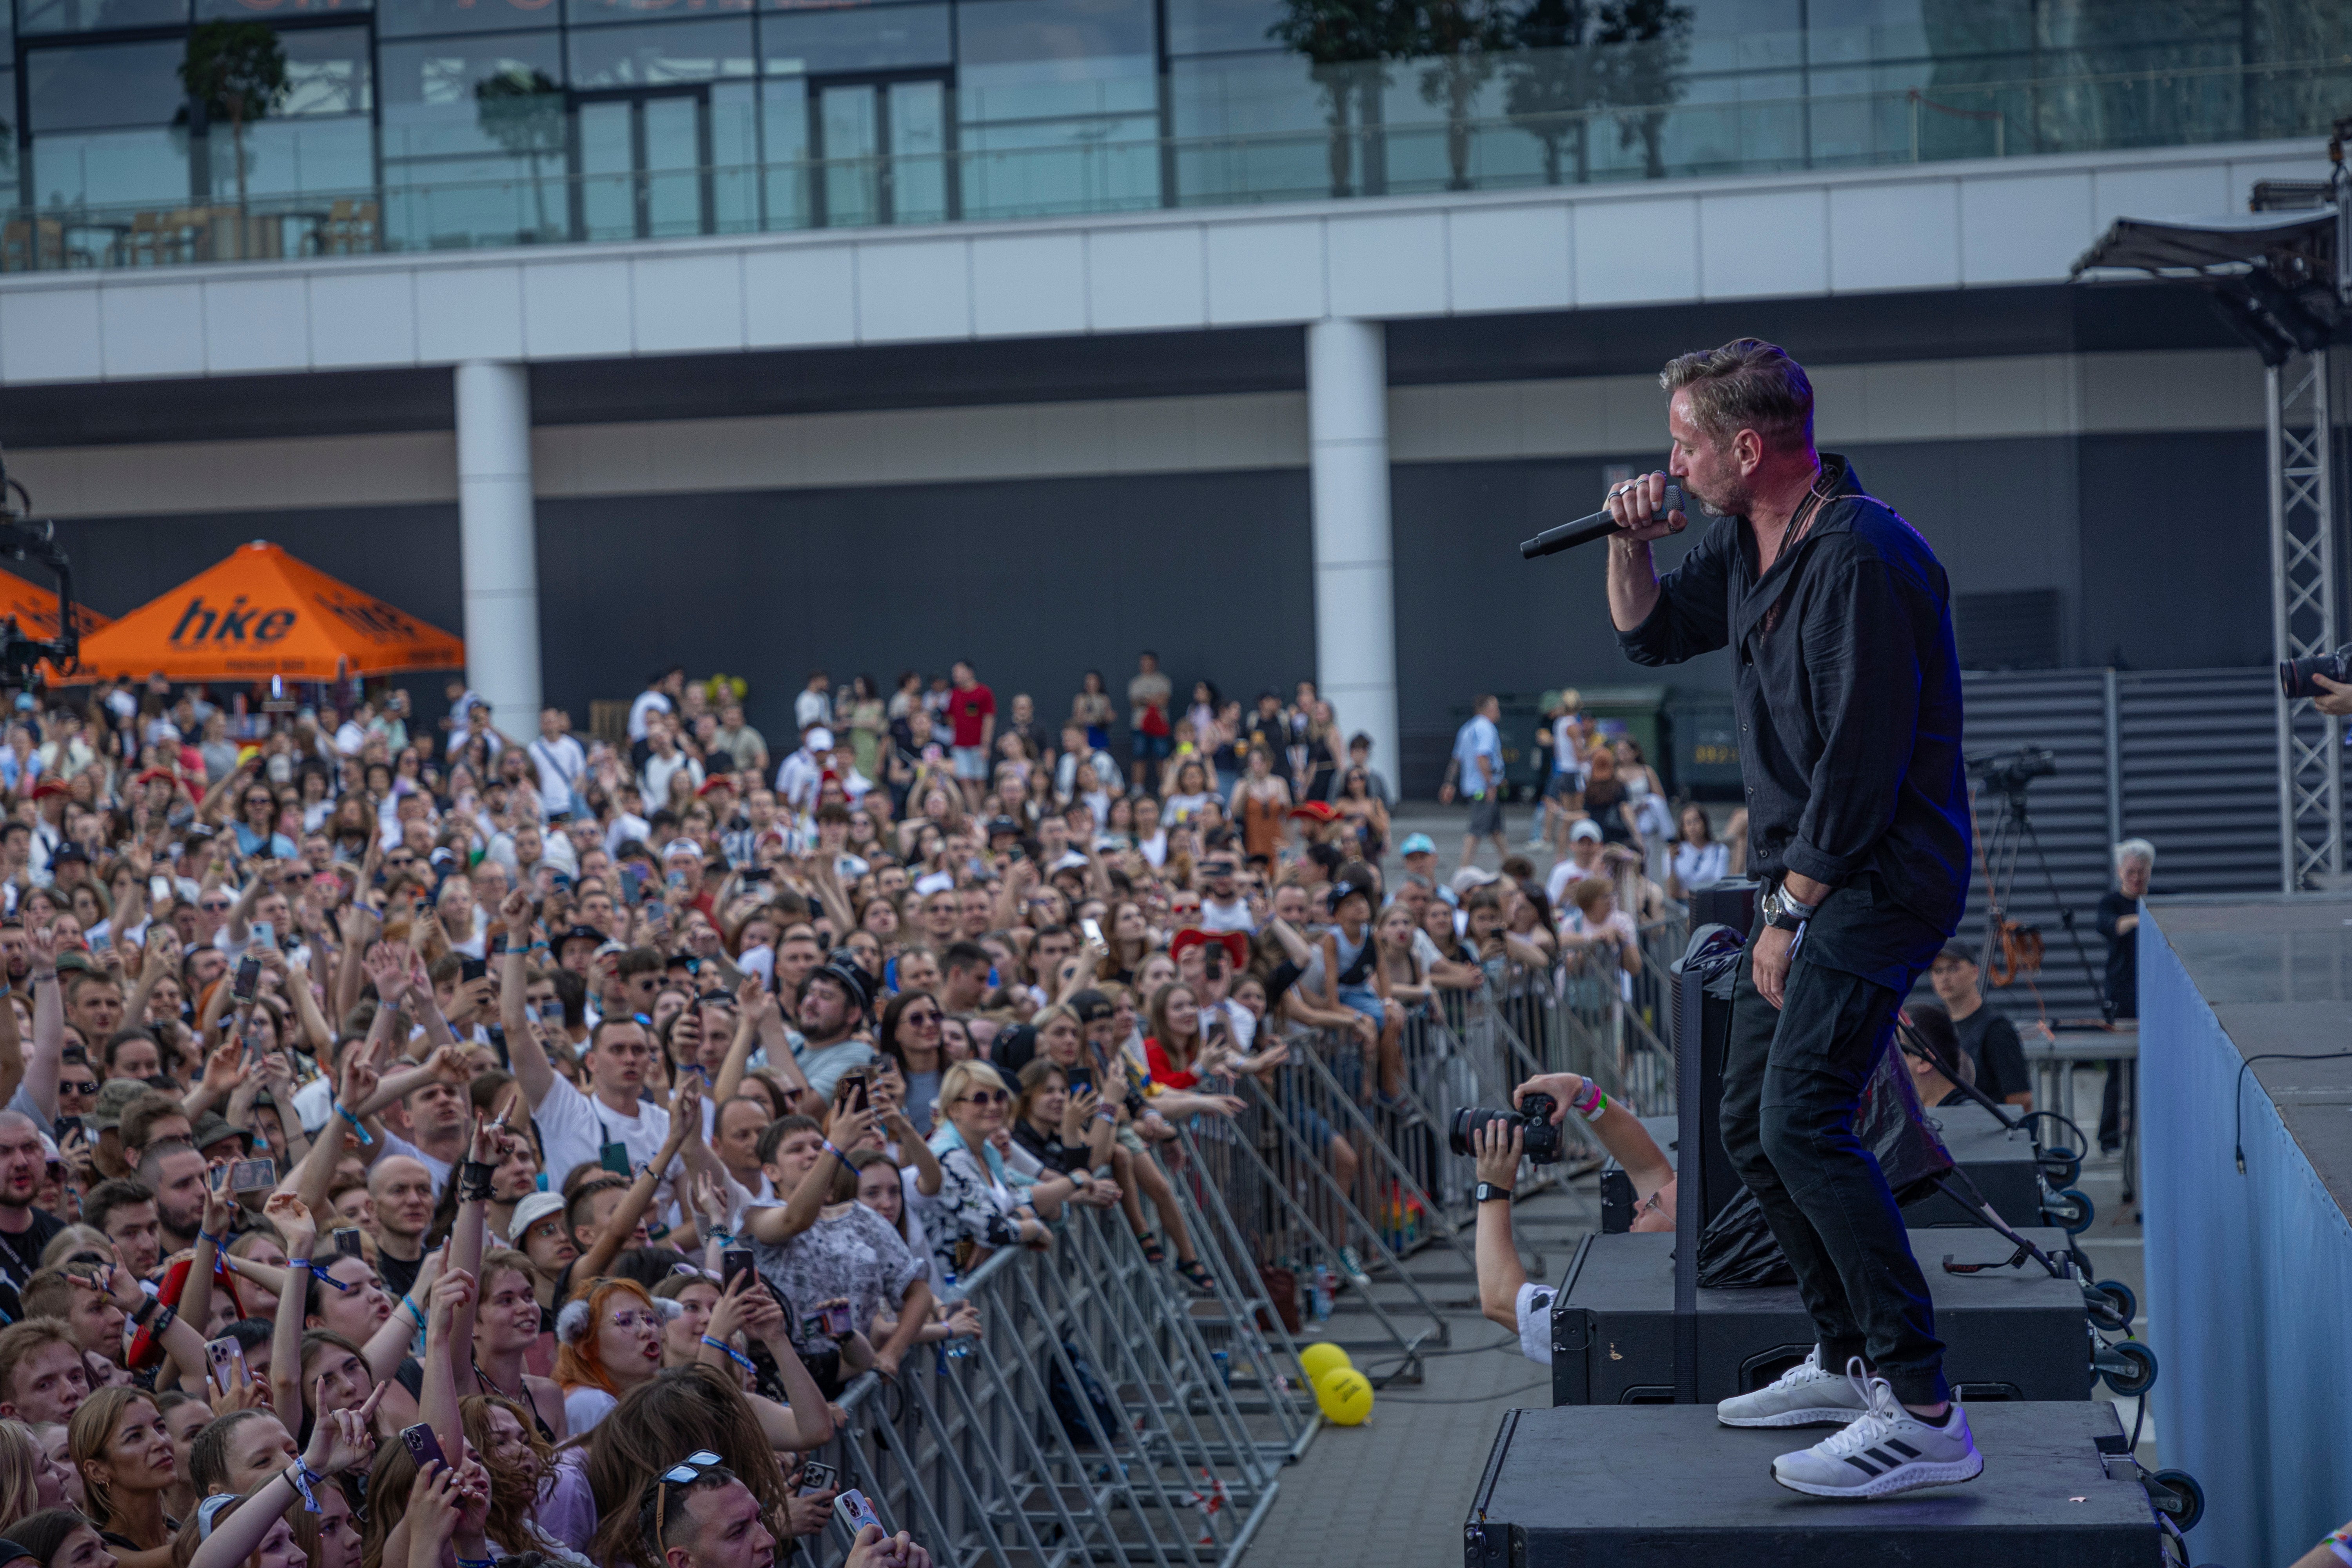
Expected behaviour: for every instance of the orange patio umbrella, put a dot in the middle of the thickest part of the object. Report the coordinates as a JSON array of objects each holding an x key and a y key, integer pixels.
[{"x": 262, "y": 613}]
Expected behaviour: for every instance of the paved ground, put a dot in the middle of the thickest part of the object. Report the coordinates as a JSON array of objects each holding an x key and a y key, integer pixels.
[{"x": 1396, "y": 1489}]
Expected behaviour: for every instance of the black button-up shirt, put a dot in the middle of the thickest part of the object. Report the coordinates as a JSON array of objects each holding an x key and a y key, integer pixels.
[{"x": 1848, "y": 692}]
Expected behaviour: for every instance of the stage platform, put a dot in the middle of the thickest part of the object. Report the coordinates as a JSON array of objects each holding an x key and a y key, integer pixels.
[
  {"x": 1999, "y": 1161},
  {"x": 1618, "y": 1486},
  {"x": 2248, "y": 1272},
  {"x": 2009, "y": 1333}
]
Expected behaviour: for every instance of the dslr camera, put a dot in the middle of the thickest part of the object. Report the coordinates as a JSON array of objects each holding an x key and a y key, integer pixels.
[
  {"x": 1539, "y": 1138},
  {"x": 2294, "y": 673}
]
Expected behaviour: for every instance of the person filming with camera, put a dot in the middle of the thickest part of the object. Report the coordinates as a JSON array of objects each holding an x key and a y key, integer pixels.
[
  {"x": 1847, "y": 691},
  {"x": 1499, "y": 1142}
]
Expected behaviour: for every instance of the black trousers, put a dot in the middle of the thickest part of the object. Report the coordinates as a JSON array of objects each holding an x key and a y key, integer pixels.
[{"x": 1792, "y": 1078}]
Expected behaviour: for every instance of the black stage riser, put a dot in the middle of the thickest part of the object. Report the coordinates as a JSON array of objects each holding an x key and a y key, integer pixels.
[
  {"x": 1665, "y": 1486},
  {"x": 2010, "y": 1334}
]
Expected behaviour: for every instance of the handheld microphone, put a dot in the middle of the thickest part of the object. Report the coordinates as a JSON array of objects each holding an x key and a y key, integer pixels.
[{"x": 1585, "y": 529}]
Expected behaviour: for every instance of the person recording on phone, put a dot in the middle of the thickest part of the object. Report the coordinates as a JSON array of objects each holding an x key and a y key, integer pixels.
[
  {"x": 1506, "y": 1294},
  {"x": 1848, "y": 695}
]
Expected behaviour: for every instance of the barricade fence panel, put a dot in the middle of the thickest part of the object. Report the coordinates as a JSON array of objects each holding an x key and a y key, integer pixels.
[
  {"x": 1107, "y": 1414},
  {"x": 1088, "y": 1421}
]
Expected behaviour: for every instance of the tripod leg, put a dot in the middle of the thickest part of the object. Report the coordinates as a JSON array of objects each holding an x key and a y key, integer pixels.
[{"x": 2066, "y": 918}]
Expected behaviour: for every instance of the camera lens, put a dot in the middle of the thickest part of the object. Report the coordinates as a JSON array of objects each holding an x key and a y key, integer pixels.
[{"x": 1462, "y": 1137}]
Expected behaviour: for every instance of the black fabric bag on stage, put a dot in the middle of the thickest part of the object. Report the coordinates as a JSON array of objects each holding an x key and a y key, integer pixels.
[{"x": 1737, "y": 1251}]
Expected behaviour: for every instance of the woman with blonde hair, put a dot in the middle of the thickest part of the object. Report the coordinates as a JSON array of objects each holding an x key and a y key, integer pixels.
[
  {"x": 29, "y": 1479},
  {"x": 124, "y": 1454},
  {"x": 608, "y": 1341},
  {"x": 982, "y": 1204}
]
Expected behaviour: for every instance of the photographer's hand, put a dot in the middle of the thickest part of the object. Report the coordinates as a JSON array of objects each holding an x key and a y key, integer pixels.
[
  {"x": 2335, "y": 696},
  {"x": 1563, "y": 1088},
  {"x": 1500, "y": 1145}
]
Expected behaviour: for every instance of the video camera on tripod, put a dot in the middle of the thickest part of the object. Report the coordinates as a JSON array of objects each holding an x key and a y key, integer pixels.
[
  {"x": 2008, "y": 773},
  {"x": 2010, "y": 949},
  {"x": 25, "y": 538}
]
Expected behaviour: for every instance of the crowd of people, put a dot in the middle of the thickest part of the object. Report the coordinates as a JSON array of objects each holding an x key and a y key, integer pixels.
[{"x": 418, "y": 1139}]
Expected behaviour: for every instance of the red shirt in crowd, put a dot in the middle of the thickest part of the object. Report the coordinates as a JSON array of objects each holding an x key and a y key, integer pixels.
[
  {"x": 968, "y": 710},
  {"x": 1165, "y": 1073}
]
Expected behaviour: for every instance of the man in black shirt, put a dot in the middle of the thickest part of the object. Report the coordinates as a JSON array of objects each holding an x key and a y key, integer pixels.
[
  {"x": 1847, "y": 691},
  {"x": 24, "y": 1229},
  {"x": 2119, "y": 924},
  {"x": 1990, "y": 1040}
]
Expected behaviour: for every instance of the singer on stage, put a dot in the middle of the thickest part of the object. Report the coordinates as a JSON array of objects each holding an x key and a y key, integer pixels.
[{"x": 1848, "y": 692}]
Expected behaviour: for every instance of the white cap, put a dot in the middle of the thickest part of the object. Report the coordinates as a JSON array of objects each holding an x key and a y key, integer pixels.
[
  {"x": 1471, "y": 877},
  {"x": 1585, "y": 828},
  {"x": 530, "y": 1211},
  {"x": 820, "y": 739}
]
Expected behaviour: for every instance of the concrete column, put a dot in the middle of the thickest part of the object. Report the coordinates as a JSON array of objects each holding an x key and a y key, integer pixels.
[
  {"x": 498, "y": 545},
  {"x": 1347, "y": 472}
]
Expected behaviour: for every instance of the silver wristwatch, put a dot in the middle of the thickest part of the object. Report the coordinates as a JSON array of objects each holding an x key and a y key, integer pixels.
[{"x": 1783, "y": 912}]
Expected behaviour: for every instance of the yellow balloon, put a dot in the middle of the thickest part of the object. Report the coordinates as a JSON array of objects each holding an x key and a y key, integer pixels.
[
  {"x": 1321, "y": 1357},
  {"x": 1344, "y": 1394}
]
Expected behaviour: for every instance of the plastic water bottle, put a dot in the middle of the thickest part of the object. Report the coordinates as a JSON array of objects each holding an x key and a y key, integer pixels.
[
  {"x": 1319, "y": 1291},
  {"x": 956, "y": 1349}
]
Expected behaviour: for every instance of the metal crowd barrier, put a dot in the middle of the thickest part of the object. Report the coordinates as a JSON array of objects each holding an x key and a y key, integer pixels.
[{"x": 1089, "y": 1423}]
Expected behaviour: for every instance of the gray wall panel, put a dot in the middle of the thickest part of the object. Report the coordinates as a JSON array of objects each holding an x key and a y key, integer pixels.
[
  {"x": 1034, "y": 581},
  {"x": 2175, "y": 551}
]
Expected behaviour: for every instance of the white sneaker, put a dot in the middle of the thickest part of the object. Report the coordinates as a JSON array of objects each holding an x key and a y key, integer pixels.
[
  {"x": 1887, "y": 1450},
  {"x": 1804, "y": 1395}
]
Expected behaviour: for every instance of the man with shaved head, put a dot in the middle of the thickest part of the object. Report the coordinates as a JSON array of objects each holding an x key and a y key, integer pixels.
[
  {"x": 24, "y": 1229},
  {"x": 402, "y": 1191}
]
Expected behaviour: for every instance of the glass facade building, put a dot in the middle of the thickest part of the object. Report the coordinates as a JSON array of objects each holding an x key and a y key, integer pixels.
[{"x": 422, "y": 124}]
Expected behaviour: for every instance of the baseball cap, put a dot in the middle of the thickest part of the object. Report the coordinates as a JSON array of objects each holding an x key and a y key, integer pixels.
[
  {"x": 1957, "y": 948},
  {"x": 1416, "y": 843},
  {"x": 820, "y": 739},
  {"x": 114, "y": 1097},
  {"x": 1002, "y": 826},
  {"x": 681, "y": 846},
  {"x": 1585, "y": 827},
  {"x": 212, "y": 1127},
  {"x": 1092, "y": 1006},
  {"x": 1471, "y": 877},
  {"x": 579, "y": 933},
  {"x": 530, "y": 1211}
]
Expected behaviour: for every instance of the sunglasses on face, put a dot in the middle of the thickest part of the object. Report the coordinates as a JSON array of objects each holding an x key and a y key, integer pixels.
[
  {"x": 986, "y": 1097},
  {"x": 88, "y": 1085}
]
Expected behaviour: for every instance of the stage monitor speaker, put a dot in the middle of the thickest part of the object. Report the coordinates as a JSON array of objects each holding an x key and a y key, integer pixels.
[
  {"x": 1997, "y": 1159},
  {"x": 2008, "y": 1333},
  {"x": 1702, "y": 1024}
]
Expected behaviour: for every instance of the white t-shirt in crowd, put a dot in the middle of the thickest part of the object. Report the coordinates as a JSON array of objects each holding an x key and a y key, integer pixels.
[
  {"x": 1218, "y": 916},
  {"x": 646, "y": 702},
  {"x": 575, "y": 1128},
  {"x": 559, "y": 762}
]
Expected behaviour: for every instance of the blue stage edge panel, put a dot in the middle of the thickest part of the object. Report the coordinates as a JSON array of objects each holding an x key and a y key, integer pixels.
[{"x": 2248, "y": 1277}]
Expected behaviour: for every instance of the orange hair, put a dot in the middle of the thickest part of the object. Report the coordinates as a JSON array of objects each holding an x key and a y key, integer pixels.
[{"x": 578, "y": 1364}]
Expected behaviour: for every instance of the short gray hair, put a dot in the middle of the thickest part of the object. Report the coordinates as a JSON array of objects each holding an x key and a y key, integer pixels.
[
  {"x": 1746, "y": 384},
  {"x": 2139, "y": 849}
]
